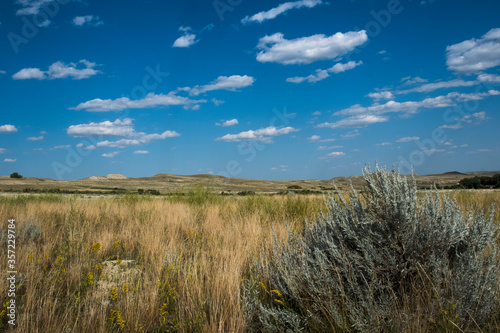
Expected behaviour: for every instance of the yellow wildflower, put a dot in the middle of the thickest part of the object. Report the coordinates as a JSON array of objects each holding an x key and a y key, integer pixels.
[
  {"x": 114, "y": 294},
  {"x": 276, "y": 292}
]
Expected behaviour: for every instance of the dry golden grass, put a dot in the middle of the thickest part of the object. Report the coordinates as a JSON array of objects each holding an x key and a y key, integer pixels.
[{"x": 176, "y": 263}]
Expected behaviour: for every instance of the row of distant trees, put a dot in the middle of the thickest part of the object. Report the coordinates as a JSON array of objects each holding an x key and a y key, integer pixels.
[{"x": 481, "y": 182}]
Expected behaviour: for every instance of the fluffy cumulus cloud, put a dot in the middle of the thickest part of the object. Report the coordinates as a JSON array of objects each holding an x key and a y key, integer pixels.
[
  {"x": 187, "y": 39},
  {"x": 355, "y": 121},
  {"x": 8, "y": 129},
  {"x": 139, "y": 139},
  {"x": 59, "y": 70},
  {"x": 110, "y": 155},
  {"x": 306, "y": 50},
  {"x": 35, "y": 138},
  {"x": 281, "y": 9},
  {"x": 231, "y": 83},
  {"x": 377, "y": 96},
  {"x": 490, "y": 78},
  {"x": 314, "y": 138},
  {"x": 322, "y": 74},
  {"x": 262, "y": 134},
  {"x": 227, "y": 123},
  {"x": 117, "y": 128},
  {"x": 9, "y": 160},
  {"x": 91, "y": 20},
  {"x": 150, "y": 101},
  {"x": 141, "y": 152},
  {"x": 475, "y": 55}
]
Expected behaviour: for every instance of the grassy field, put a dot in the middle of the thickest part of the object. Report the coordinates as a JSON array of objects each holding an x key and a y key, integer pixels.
[{"x": 146, "y": 263}]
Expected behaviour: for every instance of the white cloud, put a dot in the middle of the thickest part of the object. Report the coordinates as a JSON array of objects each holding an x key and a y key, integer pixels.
[
  {"x": 474, "y": 55},
  {"x": 408, "y": 139},
  {"x": 2, "y": 150},
  {"x": 411, "y": 107},
  {"x": 327, "y": 140},
  {"x": 35, "y": 138},
  {"x": 187, "y": 39},
  {"x": 262, "y": 134},
  {"x": 59, "y": 70},
  {"x": 8, "y": 129},
  {"x": 329, "y": 147},
  {"x": 409, "y": 80},
  {"x": 29, "y": 73},
  {"x": 141, "y": 152},
  {"x": 381, "y": 95},
  {"x": 432, "y": 151},
  {"x": 217, "y": 102},
  {"x": 106, "y": 128},
  {"x": 384, "y": 144},
  {"x": 139, "y": 139},
  {"x": 479, "y": 116},
  {"x": 282, "y": 8},
  {"x": 150, "y": 101},
  {"x": 227, "y": 123},
  {"x": 31, "y": 7},
  {"x": 110, "y": 155},
  {"x": 3, "y": 72},
  {"x": 91, "y": 20},
  {"x": 314, "y": 138},
  {"x": 439, "y": 85},
  {"x": 306, "y": 50},
  {"x": 60, "y": 147},
  {"x": 333, "y": 154},
  {"x": 322, "y": 74},
  {"x": 350, "y": 135},
  {"x": 355, "y": 121},
  {"x": 454, "y": 126},
  {"x": 316, "y": 113},
  {"x": 231, "y": 83},
  {"x": 491, "y": 78},
  {"x": 117, "y": 128},
  {"x": 476, "y": 118},
  {"x": 9, "y": 160},
  {"x": 340, "y": 67}
]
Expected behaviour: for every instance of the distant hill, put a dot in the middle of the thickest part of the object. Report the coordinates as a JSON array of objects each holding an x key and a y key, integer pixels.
[{"x": 168, "y": 183}]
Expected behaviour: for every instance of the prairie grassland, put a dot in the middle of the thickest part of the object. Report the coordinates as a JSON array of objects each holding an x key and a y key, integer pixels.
[{"x": 148, "y": 264}]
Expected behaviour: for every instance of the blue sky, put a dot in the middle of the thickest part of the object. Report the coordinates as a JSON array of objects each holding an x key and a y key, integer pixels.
[{"x": 305, "y": 89}]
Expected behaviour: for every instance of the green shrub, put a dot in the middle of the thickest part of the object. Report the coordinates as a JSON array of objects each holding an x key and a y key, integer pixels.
[
  {"x": 384, "y": 261},
  {"x": 15, "y": 175}
]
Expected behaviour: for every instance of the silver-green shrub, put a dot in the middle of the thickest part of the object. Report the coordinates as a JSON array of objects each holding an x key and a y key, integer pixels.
[{"x": 377, "y": 262}]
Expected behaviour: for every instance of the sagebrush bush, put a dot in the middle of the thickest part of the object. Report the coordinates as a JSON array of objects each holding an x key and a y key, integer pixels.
[{"x": 381, "y": 261}]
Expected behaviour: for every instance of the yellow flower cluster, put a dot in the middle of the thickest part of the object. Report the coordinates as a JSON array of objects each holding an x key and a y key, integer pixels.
[
  {"x": 114, "y": 294},
  {"x": 116, "y": 318}
]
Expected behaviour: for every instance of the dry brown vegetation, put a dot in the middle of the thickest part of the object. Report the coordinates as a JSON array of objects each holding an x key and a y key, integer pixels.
[{"x": 148, "y": 264}]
